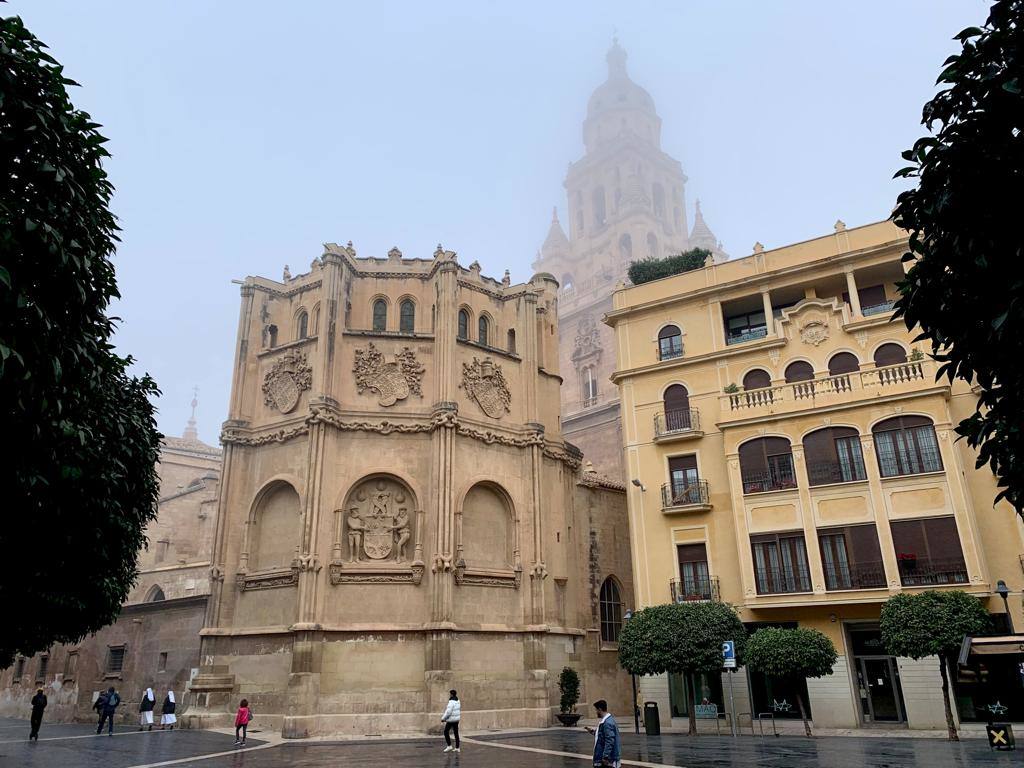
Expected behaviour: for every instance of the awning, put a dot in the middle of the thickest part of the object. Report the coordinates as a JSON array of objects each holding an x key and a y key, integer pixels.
[{"x": 986, "y": 646}]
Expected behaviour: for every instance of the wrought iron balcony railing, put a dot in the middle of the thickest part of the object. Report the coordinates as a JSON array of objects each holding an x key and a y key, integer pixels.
[
  {"x": 778, "y": 478},
  {"x": 865, "y": 575},
  {"x": 782, "y": 580},
  {"x": 877, "y": 309},
  {"x": 695, "y": 590},
  {"x": 693, "y": 494},
  {"x": 675, "y": 421},
  {"x": 926, "y": 571},
  {"x": 827, "y": 472},
  {"x": 753, "y": 333}
]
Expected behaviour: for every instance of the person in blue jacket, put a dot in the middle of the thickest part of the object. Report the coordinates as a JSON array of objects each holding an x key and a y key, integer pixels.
[{"x": 607, "y": 746}]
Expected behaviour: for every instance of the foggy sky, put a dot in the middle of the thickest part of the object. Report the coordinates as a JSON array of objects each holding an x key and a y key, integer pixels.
[{"x": 245, "y": 134}]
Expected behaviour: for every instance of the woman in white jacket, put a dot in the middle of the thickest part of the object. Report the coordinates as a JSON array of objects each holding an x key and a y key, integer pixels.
[{"x": 450, "y": 718}]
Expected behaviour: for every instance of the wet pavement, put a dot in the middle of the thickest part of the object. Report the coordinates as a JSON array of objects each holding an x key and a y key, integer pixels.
[{"x": 77, "y": 746}]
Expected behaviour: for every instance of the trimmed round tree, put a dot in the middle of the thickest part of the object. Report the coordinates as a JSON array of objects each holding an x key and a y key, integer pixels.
[
  {"x": 79, "y": 479},
  {"x": 932, "y": 624},
  {"x": 684, "y": 639},
  {"x": 791, "y": 654}
]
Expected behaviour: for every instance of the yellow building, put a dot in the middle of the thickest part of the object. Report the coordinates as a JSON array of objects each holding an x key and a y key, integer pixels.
[{"x": 792, "y": 453}]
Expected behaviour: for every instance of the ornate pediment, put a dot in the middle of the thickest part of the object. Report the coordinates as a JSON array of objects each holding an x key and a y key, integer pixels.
[{"x": 812, "y": 322}]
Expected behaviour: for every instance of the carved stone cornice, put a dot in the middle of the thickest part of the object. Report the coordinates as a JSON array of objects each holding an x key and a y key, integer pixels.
[
  {"x": 510, "y": 578},
  {"x": 237, "y": 436},
  {"x": 369, "y": 573},
  {"x": 273, "y": 579},
  {"x": 284, "y": 294}
]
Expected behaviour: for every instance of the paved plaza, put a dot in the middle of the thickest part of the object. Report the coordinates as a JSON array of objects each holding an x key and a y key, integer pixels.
[{"x": 77, "y": 746}]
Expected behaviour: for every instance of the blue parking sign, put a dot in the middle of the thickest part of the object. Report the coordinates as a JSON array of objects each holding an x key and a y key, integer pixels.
[{"x": 729, "y": 654}]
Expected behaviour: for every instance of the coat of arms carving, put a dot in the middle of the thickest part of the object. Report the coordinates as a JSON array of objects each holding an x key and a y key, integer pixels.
[
  {"x": 392, "y": 380},
  {"x": 814, "y": 332},
  {"x": 286, "y": 380},
  {"x": 378, "y": 523},
  {"x": 483, "y": 382}
]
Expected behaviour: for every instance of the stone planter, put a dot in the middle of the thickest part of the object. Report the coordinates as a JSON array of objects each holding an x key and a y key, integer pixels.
[{"x": 568, "y": 719}]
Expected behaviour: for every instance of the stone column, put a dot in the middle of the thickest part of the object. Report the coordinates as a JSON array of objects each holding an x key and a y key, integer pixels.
[
  {"x": 769, "y": 316},
  {"x": 851, "y": 288},
  {"x": 739, "y": 526},
  {"x": 892, "y": 570},
  {"x": 963, "y": 508},
  {"x": 815, "y": 571}
]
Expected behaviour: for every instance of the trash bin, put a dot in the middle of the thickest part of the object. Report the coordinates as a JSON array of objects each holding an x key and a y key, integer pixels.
[
  {"x": 652, "y": 721},
  {"x": 1000, "y": 736}
]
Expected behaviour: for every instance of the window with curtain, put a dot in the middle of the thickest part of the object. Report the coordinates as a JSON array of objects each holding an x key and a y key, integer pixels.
[
  {"x": 482, "y": 328},
  {"x": 670, "y": 342},
  {"x": 380, "y": 315},
  {"x": 407, "y": 316},
  {"x": 851, "y": 557},
  {"x": 928, "y": 551},
  {"x": 906, "y": 445},
  {"x": 766, "y": 464},
  {"x": 834, "y": 455},
  {"x": 611, "y": 611},
  {"x": 780, "y": 563},
  {"x": 694, "y": 578},
  {"x": 463, "y": 324}
]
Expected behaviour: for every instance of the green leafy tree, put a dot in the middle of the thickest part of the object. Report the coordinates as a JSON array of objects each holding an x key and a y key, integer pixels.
[
  {"x": 569, "y": 688},
  {"x": 79, "y": 475},
  {"x": 683, "y": 639},
  {"x": 964, "y": 290},
  {"x": 645, "y": 270},
  {"x": 932, "y": 624},
  {"x": 791, "y": 654}
]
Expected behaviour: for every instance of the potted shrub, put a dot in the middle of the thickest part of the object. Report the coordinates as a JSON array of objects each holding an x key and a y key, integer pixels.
[{"x": 569, "y": 687}]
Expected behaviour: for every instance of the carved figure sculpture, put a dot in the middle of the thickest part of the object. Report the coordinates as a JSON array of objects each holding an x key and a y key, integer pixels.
[
  {"x": 402, "y": 534},
  {"x": 355, "y": 534},
  {"x": 378, "y": 523}
]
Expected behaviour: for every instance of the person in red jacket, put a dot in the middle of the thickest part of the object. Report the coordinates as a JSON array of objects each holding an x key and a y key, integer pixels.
[{"x": 242, "y": 719}]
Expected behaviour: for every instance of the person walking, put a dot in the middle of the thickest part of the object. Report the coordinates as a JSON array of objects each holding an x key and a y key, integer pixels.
[
  {"x": 146, "y": 709},
  {"x": 607, "y": 744},
  {"x": 107, "y": 705},
  {"x": 450, "y": 718},
  {"x": 38, "y": 705},
  {"x": 167, "y": 716},
  {"x": 242, "y": 719}
]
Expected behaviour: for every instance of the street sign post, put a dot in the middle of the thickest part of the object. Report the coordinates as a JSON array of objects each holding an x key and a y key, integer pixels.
[{"x": 729, "y": 662}]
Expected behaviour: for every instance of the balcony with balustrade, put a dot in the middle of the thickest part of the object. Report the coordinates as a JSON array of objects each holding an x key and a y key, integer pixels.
[
  {"x": 692, "y": 497},
  {"x": 700, "y": 589},
  {"x": 929, "y": 572},
  {"x": 675, "y": 425},
  {"x": 869, "y": 383}
]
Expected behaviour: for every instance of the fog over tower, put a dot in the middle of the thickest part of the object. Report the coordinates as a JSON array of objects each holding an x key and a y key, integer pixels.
[{"x": 626, "y": 200}]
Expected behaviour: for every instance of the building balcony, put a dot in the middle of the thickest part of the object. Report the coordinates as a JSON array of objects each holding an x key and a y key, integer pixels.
[
  {"x": 782, "y": 580},
  {"x": 696, "y": 590},
  {"x": 780, "y": 478},
  {"x": 751, "y": 335},
  {"x": 589, "y": 402},
  {"x": 869, "y": 384},
  {"x": 868, "y": 575},
  {"x": 928, "y": 572},
  {"x": 683, "y": 424},
  {"x": 694, "y": 497},
  {"x": 877, "y": 309}
]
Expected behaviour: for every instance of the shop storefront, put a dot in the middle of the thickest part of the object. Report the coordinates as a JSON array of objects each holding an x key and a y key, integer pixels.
[{"x": 989, "y": 684}]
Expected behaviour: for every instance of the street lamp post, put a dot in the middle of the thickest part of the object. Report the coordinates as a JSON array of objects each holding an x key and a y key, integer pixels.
[
  {"x": 636, "y": 709},
  {"x": 1004, "y": 592}
]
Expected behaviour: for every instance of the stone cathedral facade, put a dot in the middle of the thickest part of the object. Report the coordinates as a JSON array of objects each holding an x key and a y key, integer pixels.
[
  {"x": 400, "y": 513},
  {"x": 626, "y": 201}
]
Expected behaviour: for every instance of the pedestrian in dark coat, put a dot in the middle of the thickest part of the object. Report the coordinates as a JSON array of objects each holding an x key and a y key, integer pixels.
[
  {"x": 167, "y": 716},
  {"x": 38, "y": 705},
  {"x": 108, "y": 709}
]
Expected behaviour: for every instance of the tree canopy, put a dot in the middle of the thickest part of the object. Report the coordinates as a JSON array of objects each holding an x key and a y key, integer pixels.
[
  {"x": 79, "y": 477},
  {"x": 645, "y": 270},
  {"x": 965, "y": 287}
]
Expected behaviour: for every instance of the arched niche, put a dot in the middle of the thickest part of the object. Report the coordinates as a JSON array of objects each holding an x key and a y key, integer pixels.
[
  {"x": 487, "y": 538},
  {"x": 275, "y": 528}
]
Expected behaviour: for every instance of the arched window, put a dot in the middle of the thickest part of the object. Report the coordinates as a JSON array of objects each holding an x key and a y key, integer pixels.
[
  {"x": 626, "y": 247},
  {"x": 463, "y": 324},
  {"x": 599, "y": 206},
  {"x": 670, "y": 342},
  {"x": 906, "y": 445},
  {"x": 757, "y": 379},
  {"x": 843, "y": 362},
  {"x": 482, "y": 328},
  {"x": 611, "y": 611},
  {"x": 567, "y": 283},
  {"x": 407, "y": 316},
  {"x": 155, "y": 595},
  {"x": 302, "y": 325},
  {"x": 766, "y": 464},
  {"x": 833, "y": 455},
  {"x": 890, "y": 354},
  {"x": 589, "y": 382},
  {"x": 380, "y": 315},
  {"x": 659, "y": 201},
  {"x": 799, "y": 370},
  {"x": 314, "y": 319},
  {"x": 652, "y": 245},
  {"x": 677, "y": 408},
  {"x": 511, "y": 341},
  {"x": 271, "y": 336}
]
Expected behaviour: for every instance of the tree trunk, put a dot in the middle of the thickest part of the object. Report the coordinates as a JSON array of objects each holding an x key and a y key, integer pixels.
[
  {"x": 950, "y": 724},
  {"x": 691, "y": 699},
  {"x": 803, "y": 713}
]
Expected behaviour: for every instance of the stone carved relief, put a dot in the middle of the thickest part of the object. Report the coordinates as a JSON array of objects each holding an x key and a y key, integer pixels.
[
  {"x": 286, "y": 380},
  {"x": 484, "y": 383},
  {"x": 392, "y": 380},
  {"x": 814, "y": 332},
  {"x": 588, "y": 342},
  {"x": 288, "y": 577}
]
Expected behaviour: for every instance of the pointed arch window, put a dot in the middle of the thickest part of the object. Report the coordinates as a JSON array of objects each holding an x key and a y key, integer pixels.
[
  {"x": 155, "y": 595},
  {"x": 302, "y": 326},
  {"x": 380, "y": 315},
  {"x": 611, "y": 611},
  {"x": 271, "y": 336},
  {"x": 511, "y": 341},
  {"x": 482, "y": 329},
  {"x": 407, "y": 316},
  {"x": 652, "y": 245},
  {"x": 463, "y": 324}
]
